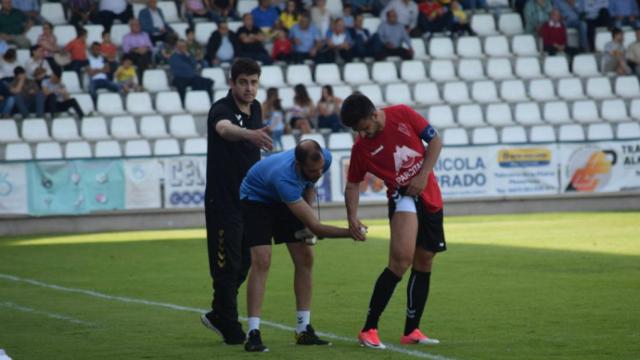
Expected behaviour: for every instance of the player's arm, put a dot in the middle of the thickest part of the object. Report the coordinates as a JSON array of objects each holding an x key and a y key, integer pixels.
[
  {"x": 419, "y": 182},
  {"x": 309, "y": 196},
  {"x": 230, "y": 132},
  {"x": 352, "y": 199},
  {"x": 305, "y": 214}
]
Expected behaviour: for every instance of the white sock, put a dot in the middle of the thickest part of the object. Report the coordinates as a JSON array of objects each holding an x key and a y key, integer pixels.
[
  {"x": 254, "y": 323},
  {"x": 303, "y": 318}
]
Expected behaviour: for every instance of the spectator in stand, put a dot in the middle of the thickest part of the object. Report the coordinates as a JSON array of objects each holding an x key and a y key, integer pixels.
[
  {"x": 264, "y": 15},
  {"x": 406, "y": 11},
  {"x": 126, "y": 77},
  {"x": 195, "y": 48},
  {"x": 554, "y": 35},
  {"x": 37, "y": 61},
  {"x": 475, "y": 4},
  {"x": 306, "y": 40},
  {"x": 14, "y": 25},
  {"x": 28, "y": 95},
  {"x": 48, "y": 43},
  {"x": 109, "y": 51},
  {"x": 138, "y": 46},
  {"x": 460, "y": 24},
  {"x": 339, "y": 43},
  {"x": 363, "y": 6},
  {"x": 536, "y": 13},
  {"x": 57, "y": 97},
  {"x": 624, "y": 12},
  {"x": 596, "y": 13},
  {"x": 97, "y": 71},
  {"x": 111, "y": 10},
  {"x": 77, "y": 49},
  {"x": 152, "y": 22},
  {"x": 166, "y": 49},
  {"x": 433, "y": 17},
  {"x": 273, "y": 117},
  {"x": 184, "y": 70},
  {"x": 572, "y": 19},
  {"x": 361, "y": 38},
  {"x": 8, "y": 64},
  {"x": 320, "y": 17},
  {"x": 224, "y": 8},
  {"x": 329, "y": 110},
  {"x": 614, "y": 58},
  {"x": 282, "y": 47},
  {"x": 391, "y": 36},
  {"x": 302, "y": 115},
  {"x": 7, "y": 100},
  {"x": 633, "y": 54},
  {"x": 223, "y": 45},
  {"x": 347, "y": 16},
  {"x": 252, "y": 41},
  {"x": 82, "y": 12},
  {"x": 31, "y": 8},
  {"x": 289, "y": 16},
  {"x": 198, "y": 8}
]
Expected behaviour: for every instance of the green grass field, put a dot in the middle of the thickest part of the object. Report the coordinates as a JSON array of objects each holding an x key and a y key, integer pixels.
[{"x": 544, "y": 286}]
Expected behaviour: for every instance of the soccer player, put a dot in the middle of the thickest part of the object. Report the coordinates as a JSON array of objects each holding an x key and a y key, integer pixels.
[
  {"x": 236, "y": 135},
  {"x": 277, "y": 197},
  {"x": 390, "y": 146}
]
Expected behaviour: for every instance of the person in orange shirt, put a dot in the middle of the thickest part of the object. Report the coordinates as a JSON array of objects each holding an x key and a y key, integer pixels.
[
  {"x": 109, "y": 52},
  {"x": 77, "y": 48}
]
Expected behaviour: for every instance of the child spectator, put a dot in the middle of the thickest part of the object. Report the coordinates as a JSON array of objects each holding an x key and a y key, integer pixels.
[
  {"x": 194, "y": 47},
  {"x": 281, "y": 47},
  {"x": 126, "y": 76},
  {"x": 460, "y": 22}
]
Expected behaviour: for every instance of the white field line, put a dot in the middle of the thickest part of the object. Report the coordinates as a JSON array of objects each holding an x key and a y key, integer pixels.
[
  {"x": 398, "y": 349},
  {"x": 14, "y": 306}
]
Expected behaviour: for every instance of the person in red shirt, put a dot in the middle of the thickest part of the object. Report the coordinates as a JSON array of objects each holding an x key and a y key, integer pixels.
[
  {"x": 281, "y": 47},
  {"x": 390, "y": 146},
  {"x": 554, "y": 35}
]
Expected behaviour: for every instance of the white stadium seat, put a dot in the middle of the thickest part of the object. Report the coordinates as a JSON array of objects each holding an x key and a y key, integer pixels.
[
  {"x": 634, "y": 109},
  {"x": 499, "y": 69},
  {"x": 342, "y": 91},
  {"x": 513, "y": 91},
  {"x": 77, "y": 150},
  {"x": 599, "y": 88},
  {"x": 556, "y": 67},
  {"x": 245, "y": 6},
  {"x": 484, "y": 135},
  {"x": 286, "y": 94},
  {"x": 469, "y": 47},
  {"x": 118, "y": 31},
  {"x": 35, "y": 130},
  {"x": 602, "y": 38},
  {"x": 319, "y": 138},
  {"x": 614, "y": 110},
  {"x": 584, "y": 65},
  {"x": 441, "y": 48},
  {"x": 180, "y": 29},
  {"x": 456, "y": 92},
  {"x": 340, "y": 141},
  {"x": 442, "y": 70},
  {"x": 94, "y": 33},
  {"x": 600, "y": 131},
  {"x": 124, "y": 127},
  {"x": 153, "y": 127},
  {"x": 455, "y": 136},
  {"x": 419, "y": 50},
  {"x": 483, "y": 24},
  {"x": 384, "y": 72},
  {"x": 484, "y": 92},
  {"x": 413, "y": 71},
  {"x": 203, "y": 31},
  {"x": 496, "y": 46},
  {"x": 94, "y": 128},
  {"x": 64, "y": 34},
  {"x": 426, "y": 93},
  {"x": 371, "y": 23},
  {"x": 139, "y": 147},
  {"x": 510, "y": 24},
  {"x": 139, "y": 103},
  {"x": 110, "y": 104},
  {"x": 197, "y": 102},
  {"x": 220, "y": 80},
  {"x": 524, "y": 45},
  {"x": 556, "y": 112},
  {"x": 195, "y": 146},
  {"x": 168, "y": 102},
  {"x": 71, "y": 82},
  {"x": 441, "y": 116},
  {"x": 86, "y": 103},
  {"x": 528, "y": 113},
  {"x": 373, "y": 92},
  {"x": 169, "y": 10},
  {"x": 528, "y": 68},
  {"x": 499, "y": 115},
  {"x": 355, "y": 74},
  {"x": 470, "y": 116},
  {"x": 33, "y": 33},
  {"x": 288, "y": 142},
  {"x": 18, "y": 151},
  {"x": 182, "y": 126},
  {"x": 513, "y": 135},
  {"x": 107, "y": 149},
  {"x": 571, "y": 132},
  {"x": 299, "y": 74},
  {"x": 8, "y": 131},
  {"x": 627, "y": 86},
  {"x": 166, "y": 147},
  {"x": 470, "y": 69},
  {"x": 155, "y": 80},
  {"x": 398, "y": 94},
  {"x": 272, "y": 76},
  {"x": 542, "y": 134},
  {"x": 327, "y": 74},
  {"x": 570, "y": 89},
  {"x": 64, "y": 129},
  {"x": 48, "y": 151},
  {"x": 585, "y": 111},
  {"x": 628, "y": 130},
  {"x": 335, "y": 8},
  {"x": 541, "y": 90}
]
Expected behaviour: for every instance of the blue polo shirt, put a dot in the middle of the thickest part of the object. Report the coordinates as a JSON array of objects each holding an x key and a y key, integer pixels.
[
  {"x": 307, "y": 37},
  {"x": 274, "y": 179},
  {"x": 265, "y": 18}
]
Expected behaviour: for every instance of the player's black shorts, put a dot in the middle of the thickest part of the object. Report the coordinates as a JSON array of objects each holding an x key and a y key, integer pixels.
[
  {"x": 265, "y": 221},
  {"x": 430, "y": 227}
]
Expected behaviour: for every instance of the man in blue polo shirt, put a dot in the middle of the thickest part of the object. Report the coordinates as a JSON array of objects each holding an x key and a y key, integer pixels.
[{"x": 277, "y": 196}]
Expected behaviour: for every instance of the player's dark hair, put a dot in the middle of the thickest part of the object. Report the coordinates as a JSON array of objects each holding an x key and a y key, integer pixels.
[
  {"x": 615, "y": 31},
  {"x": 308, "y": 153},
  {"x": 356, "y": 107},
  {"x": 244, "y": 66}
]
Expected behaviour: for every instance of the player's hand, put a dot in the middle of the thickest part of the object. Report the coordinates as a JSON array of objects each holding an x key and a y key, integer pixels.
[
  {"x": 261, "y": 138},
  {"x": 417, "y": 184},
  {"x": 358, "y": 230}
]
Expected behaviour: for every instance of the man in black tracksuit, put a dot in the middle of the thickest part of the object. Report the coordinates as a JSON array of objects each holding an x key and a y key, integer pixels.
[{"x": 236, "y": 136}]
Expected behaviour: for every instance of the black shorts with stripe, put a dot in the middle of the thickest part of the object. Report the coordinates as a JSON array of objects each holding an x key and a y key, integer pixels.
[
  {"x": 430, "y": 227},
  {"x": 263, "y": 221}
]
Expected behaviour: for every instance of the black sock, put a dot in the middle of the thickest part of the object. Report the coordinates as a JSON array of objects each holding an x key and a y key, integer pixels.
[
  {"x": 417, "y": 293},
  {"x": 385, "y": 285}
]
